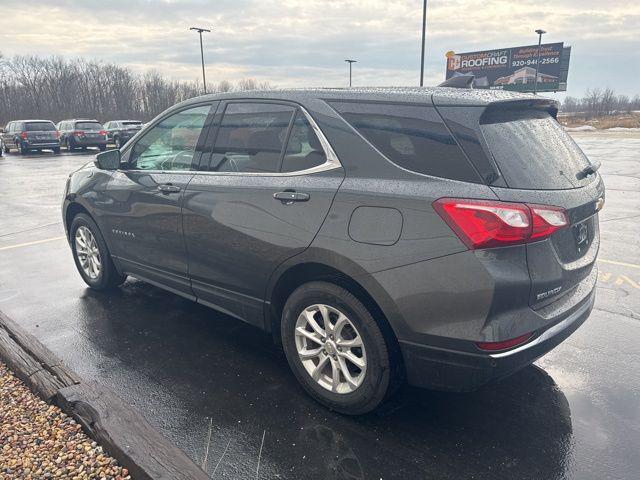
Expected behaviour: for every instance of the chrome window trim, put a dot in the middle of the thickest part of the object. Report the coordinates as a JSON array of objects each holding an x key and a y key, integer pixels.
[{"x": 331, "y": 163}]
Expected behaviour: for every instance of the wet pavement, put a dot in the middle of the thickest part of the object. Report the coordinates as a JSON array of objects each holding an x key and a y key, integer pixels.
[{"x": 223, "y": 393}]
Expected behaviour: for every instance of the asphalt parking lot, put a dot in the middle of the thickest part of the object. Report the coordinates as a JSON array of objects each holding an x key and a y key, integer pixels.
[{"x": 223, "y": 393}]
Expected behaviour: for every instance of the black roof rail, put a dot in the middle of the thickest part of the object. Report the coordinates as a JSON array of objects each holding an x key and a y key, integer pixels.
[{"x": 460, "y": 81}]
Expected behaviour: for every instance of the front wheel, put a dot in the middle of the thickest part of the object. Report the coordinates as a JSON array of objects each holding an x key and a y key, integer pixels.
[
  {"x": 335, "y": 348},
  {"x": 91, "y": 255}
]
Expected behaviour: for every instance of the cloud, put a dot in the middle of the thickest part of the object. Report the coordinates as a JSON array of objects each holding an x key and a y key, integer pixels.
[{"x": 304, "y": 42}]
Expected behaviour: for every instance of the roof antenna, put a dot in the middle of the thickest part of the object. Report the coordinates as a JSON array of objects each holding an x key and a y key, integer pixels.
[{"x": 460, "y": 81}]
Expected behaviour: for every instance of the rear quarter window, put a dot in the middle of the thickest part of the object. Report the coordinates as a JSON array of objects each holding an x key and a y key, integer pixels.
[
  {"x": 411, "y": 136},
  {"x": 532, "y": 150}
]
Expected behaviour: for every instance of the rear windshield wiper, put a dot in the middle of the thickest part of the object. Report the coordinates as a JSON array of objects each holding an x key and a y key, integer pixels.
[{"x": 589, "y": 170}]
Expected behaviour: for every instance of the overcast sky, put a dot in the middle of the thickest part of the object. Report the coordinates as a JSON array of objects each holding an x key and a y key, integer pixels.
[{"x": 305, "y": 42}]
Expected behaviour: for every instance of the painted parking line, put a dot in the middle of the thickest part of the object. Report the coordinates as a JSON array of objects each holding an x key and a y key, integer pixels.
[
  {"x": 622, "y": 264},
  {"x": 35, "y": 242}
]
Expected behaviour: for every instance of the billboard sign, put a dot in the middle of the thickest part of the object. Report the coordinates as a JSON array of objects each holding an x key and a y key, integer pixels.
[{"x": 514, "y": 68}]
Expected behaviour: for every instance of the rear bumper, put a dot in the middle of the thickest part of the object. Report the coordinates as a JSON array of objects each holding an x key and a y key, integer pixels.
[
  {"x": 89, "y": 142},
  {"x": 41, "y": 143},
  {"x": 442, "y": 369}
]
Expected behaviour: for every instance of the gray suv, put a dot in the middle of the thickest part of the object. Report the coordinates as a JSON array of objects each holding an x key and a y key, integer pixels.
[
  {"x": 443, "y": 237},
  {"x": 81, "y": 134},
  {"x": 121, "y": 131}
]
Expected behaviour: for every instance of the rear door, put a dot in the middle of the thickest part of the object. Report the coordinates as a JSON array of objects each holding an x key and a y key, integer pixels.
[
  {"x": 540, "y": 164},
  {"x": 259, "y": 199}
]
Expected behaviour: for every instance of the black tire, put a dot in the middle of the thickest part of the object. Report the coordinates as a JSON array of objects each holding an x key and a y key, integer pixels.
[
  {"x": 102, "y": 148},
  {"x": 109, "y": 277},
  {"x": 7, "y": 148},
  {"x": 56, "y": 150},
  {"x": 68, "y": 143},
  {"x": 376, "y": 383}
]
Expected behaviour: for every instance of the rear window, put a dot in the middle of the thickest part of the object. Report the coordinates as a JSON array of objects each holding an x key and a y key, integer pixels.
[
  {"x": 132, "y": 123},
  {"x": 532, "y": 150},
  {"x": 39, "y": 127},
  {"x": 411, "y": 136},
  {"x": 88, "y": 126}
]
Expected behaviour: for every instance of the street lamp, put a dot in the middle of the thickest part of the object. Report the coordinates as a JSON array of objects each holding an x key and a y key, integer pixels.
[
  {"x": 350, "y": 62},
  {"x": 535, "y": 84},
  {"x": 200, "y": 30},
  {"x": 424, "y": 34}
]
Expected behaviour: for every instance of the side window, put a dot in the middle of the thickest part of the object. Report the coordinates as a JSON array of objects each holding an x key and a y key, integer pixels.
[
  {"x": 171, "y": 144},
  {"x": 8, "y": 127},
  {"x": 304, "y": 149},
  {"x": 411, "y": 136},
  {"x": 251, "y": 138}
]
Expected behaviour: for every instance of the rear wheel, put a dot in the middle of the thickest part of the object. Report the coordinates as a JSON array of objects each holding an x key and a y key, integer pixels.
[
  {"x": 102, "y": 148},
  {"x": 69, "y": 144},
  {"x": 335, "y": 348},
  {"x": 91, "y": 255},
  {"x": 56, "y": 149}
]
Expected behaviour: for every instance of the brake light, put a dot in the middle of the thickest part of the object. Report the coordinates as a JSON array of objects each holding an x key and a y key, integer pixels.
[
  {"x": 487, "y": 223},
  {"x": 495, "y": 346},
  {"x": 103, "y": 132},
  {"x": 23, "y": 135},
  {"x": 57, "y": 134}
]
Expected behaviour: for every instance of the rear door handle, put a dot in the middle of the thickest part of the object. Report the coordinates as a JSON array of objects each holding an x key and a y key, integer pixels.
[
  {"x": 289, "y": 197},
  {"x": 167, "y": 188}
]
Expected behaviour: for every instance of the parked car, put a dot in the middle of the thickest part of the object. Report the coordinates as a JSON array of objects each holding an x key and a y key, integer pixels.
[
  {"x": 441, "y": 236},
  {"x": 121, "y": 131},
  {"x": 80, "y": 133},
  {"x": 27, "y": 135}
]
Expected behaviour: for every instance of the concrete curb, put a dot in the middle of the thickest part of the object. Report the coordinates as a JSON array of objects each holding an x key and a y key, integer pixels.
[{"x": 120, "y": 429}]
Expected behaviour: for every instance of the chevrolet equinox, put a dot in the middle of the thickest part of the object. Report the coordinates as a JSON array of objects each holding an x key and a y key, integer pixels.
[{"x": 445, "y": 237}]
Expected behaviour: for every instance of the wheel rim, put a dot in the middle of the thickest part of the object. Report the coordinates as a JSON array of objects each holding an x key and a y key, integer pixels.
[
  {"x": 330, "y": 348},
  {"x": 88, "y": 252}
]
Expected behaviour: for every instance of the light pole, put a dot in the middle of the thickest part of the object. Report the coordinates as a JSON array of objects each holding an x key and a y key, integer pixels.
[
  {"x": 350, "y": 62},
  {"x": 424, "y": 35},
  {"x": 204, "y": 78},
  {"x": 535, "y": 84}
]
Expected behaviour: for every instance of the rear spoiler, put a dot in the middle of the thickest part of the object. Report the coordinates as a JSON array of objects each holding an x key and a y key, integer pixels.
[{"x": 544, "y": 104}]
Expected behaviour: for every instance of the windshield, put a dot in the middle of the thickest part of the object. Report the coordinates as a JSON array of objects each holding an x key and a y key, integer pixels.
[
  {"x": 533, "y": 151},
  {"x": 88, "y": 126},
  {"x": 39, "y": 127}
]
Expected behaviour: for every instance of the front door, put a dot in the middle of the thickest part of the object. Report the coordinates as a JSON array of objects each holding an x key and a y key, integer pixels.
[
  {"x": 143, "y": 211},
  {"x": 260, "y": 199}
]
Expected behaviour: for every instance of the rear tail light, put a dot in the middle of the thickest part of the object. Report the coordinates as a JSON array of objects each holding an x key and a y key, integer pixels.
[
  {"x": 23, "y": 135},
  {"x": 57, "y": 134},
  {"x": 547, "y": 220},
  {"x": 103, "y": 133},
  {"x": 487, "y": 223},
  {"x": 495, "y": 346}
]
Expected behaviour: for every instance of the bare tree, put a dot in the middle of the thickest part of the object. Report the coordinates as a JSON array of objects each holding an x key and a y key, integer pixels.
[{"x": 55, "y": 88}]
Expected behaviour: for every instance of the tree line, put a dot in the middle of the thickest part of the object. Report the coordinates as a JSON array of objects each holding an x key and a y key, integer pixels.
[
  {"x": 598, "y": 102},
  {"x": 55, "y": 88}
]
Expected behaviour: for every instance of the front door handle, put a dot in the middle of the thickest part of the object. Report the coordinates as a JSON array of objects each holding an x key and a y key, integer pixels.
[
  {"x": 290, "y": 196},
  {"x": 167, "y": 188}
]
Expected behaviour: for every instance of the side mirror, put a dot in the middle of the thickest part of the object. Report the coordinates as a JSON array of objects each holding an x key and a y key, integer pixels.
[{"x": 109, "y": 160}]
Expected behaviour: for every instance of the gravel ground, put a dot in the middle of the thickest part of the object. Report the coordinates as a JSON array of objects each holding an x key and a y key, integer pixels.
[{"x": 39, "y": 441}]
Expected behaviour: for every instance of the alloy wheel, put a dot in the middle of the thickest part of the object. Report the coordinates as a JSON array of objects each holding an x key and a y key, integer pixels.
[
  {"x": 88, "y": 252},
  {"x": 330, "y": 348}
]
